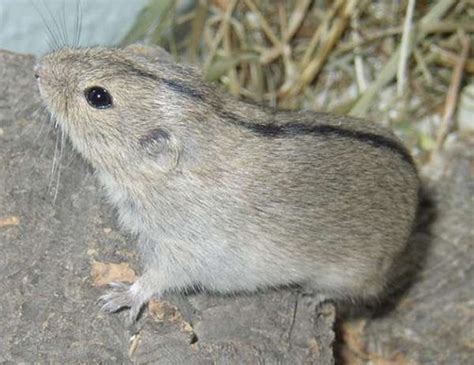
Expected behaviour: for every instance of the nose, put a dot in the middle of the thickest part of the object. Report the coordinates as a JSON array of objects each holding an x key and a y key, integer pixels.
[{"x": 37, "y": 71}]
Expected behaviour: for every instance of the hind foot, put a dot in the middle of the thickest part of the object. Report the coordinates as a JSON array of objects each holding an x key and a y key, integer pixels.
[{"x": 121, "y": 296}]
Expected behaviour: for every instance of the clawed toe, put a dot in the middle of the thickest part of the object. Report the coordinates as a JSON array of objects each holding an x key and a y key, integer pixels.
[
  {"x": 117, "y": 285},
  {"x": 120, "y": 297}
]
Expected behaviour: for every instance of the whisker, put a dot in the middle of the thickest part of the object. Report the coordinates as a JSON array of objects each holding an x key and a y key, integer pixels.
[
  {"x": 51, "y": 45},
  {"x": 78, "y": 20},
  {"x": 61, "y": 154},
  {"x": 63, "y": 23},
  {"x": 53, "y": 40},
  {"x": 47, "y": 126},
  {"x": 54, "y": 163},
  {"x": 74, "y": 38},
  {"x": 79, "y": 7},
  {"x": 40, "y": 115},
  {"x": 46, "y": 120},
  {"x": 60, "y": 34}
]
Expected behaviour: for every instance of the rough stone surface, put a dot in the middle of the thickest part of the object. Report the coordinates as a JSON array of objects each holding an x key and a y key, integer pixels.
[{"x": 48, "y": 245}]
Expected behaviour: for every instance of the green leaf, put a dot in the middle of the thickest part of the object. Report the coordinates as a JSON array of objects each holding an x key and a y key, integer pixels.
[
  {"x": 150, "y": 16},
  {"x": 221, "y": 65}
]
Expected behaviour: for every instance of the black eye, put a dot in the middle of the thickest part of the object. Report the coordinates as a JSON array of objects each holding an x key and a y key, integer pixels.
[{"x": 98, "y": 97}]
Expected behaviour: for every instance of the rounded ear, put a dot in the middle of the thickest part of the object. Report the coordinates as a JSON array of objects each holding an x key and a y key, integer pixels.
[
  {"x": 162, "y": 147},
  {"x": 149, "y": 53}
]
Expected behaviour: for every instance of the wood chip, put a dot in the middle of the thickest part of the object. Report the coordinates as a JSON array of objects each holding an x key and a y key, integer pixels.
[
  {"x": 104, "y": 273},
  {"x": 9, "y": 221}
]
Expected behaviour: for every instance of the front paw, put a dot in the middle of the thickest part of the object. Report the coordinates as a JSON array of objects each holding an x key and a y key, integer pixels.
[{"x": 122, "y": 296}]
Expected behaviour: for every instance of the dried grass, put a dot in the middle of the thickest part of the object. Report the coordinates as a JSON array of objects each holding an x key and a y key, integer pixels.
[{"x": 391, "y": 61}]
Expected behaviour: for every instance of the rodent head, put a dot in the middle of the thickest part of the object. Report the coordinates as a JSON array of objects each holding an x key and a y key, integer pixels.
[{"x": 118, "y": 106}]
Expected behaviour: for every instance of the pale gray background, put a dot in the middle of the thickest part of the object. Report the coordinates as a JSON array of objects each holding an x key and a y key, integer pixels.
[{"x": 104, "y": 22}]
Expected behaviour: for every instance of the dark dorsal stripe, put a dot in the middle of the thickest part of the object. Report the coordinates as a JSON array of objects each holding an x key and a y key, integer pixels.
[
  {"x": 272, "y": 130},
  {"x": 178, "y": 86},
  {"x": 294, "y": 129},
  {"x": 182, "y": 88}
]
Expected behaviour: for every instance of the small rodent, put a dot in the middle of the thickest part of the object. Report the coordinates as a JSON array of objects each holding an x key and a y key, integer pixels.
[{"x": 225, "y": 195}]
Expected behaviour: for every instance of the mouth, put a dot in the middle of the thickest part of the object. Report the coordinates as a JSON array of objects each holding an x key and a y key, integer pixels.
[
  {"x": 45, "y": 96},
  {"x": 42, "y": 86},
  {"x": 37, "y": 74},
  {"x": 37, "y": 71},
  {"x": 42, "y": 92}
]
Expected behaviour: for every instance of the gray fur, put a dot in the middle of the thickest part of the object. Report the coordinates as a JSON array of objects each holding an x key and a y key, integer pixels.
[{"x": 216, "y": 204}]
